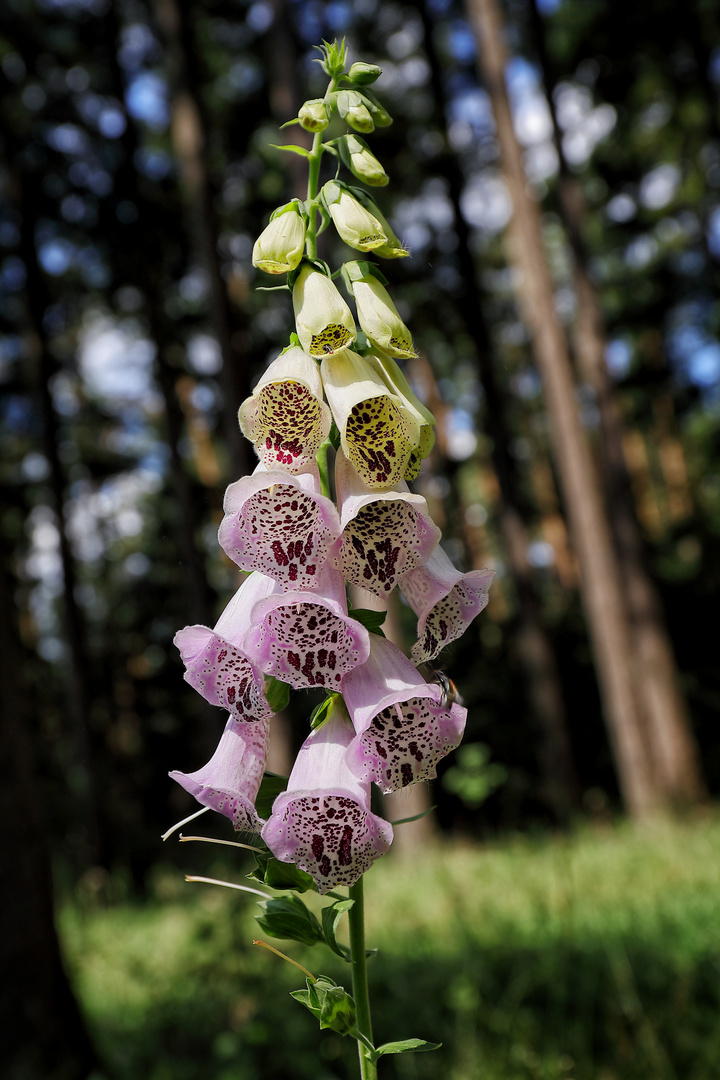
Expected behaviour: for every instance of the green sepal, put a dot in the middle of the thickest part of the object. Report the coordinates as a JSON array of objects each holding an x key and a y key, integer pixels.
[
  {"x": 271, "y": 786},
  {"x": 415, "y": 817},
  {"x": 325, "y": 219},
  {"x": 291, "y": 148},
  {"x": 277, "y": 693},
  {"x": 371, "y": 620},
  {"x": 331, "y": 916},
  {"x": 334, "y": 436},
  {"x": 294, "y": 204},
  {"x": 319, "y": 714},
  {"x": 337, "y": 1011},
  {"x": 312, "y": 998},
  {"x": 405, "y": 1046},
  {"x": 317, "y": 264},
  {"x": 288, "y": 917},
  {"x": 281, "y": 875},
  {"x": 380, "y": 114},
  {"x": 358, "y": 269},
  {"x": 294, "y": 344},
  {"x": 289, "y": 123},
  {"x": 331, "y": 191}
]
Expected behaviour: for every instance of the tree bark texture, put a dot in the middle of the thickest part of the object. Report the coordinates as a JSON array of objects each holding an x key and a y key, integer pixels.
[
  {"x": 535, "y": 649},
  {"x": 42, "y": 1033},
  {"x": 600, "y": 576},
  {"x": 671, "y": 742}
]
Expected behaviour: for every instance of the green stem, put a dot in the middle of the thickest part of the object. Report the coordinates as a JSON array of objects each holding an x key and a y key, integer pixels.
[
  {"x": 321, "y": 458},
  {"x": 356, "y": 918},
  {"x": 315, "y": 158}
]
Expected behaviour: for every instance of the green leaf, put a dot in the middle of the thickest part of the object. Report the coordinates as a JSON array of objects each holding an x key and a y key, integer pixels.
[
  {"x": 287, "y": 917},
  {"x": 303, "y": 996},
  {"x": 405, "y": 1046},
  {"x": 270, "y": 787},
  {"x": 276, "y": 692},
  {"x": 415, "y": 817},
  {"x": 371, "y": 620},
  {"x": 331, "y": 916},
  {"x": 281, "y": 875},
  {"x": 319, "y": 713},
  {"x": 291, "y": 148}
]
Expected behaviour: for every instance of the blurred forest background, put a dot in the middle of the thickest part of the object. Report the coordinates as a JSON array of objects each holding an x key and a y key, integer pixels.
[{"x": 136, "y": 170}]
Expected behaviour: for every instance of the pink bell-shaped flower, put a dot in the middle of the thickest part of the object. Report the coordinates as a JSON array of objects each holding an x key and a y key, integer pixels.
[
  {"x": 323, "y": 821},
  {"x": 384, "y": 533},
  {"x": 216, "y": 662},
  {"x": 230, "y": 781},
  {"x": 445, "y": 601},
  {"x": 279, "y": 525},
  {"x": 306, "y": 638},
  {"x": 285, "y": 417},
  {"x": 403, "y": 728}
]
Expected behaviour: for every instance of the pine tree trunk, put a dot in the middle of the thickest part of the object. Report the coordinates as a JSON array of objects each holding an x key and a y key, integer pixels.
[
  {"x": 535, "y": 649},
  {"x": 600, "y": 578},
  {"x": 42, "y": 1034},
  {"x": 672, "y": 744}
]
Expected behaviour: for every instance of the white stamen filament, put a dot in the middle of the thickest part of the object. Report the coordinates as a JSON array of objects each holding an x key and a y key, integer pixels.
[{"x": 184, "y": 821}]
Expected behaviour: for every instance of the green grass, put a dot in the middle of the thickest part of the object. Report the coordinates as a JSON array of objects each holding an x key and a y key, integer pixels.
[{"x": 589, "y": 957}]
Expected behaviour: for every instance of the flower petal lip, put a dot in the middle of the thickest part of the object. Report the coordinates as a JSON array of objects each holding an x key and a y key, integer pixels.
[
  {"x": 286, "y": 417},
  {"x": 445, "y": 601},
  {"x": 231, "y": 779},
  {"x": 307, "y": 638},
  {"x": 403, "y": 730},
  {"x": 377, "y": 435},
  {"x": 280, "y": 246},
  {"x": 323, "y": 320},
  {"x": 384, "y": 533},
  {"x": 280, "y": 524},
  {"x": 323, "y": 821},
  {"x": 216, "y": 662}
]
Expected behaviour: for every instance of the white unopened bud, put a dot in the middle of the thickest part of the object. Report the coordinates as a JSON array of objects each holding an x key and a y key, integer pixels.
[
  {"x": 279, "y": 248},
  {"x": 323, "y": 320},
  {"x": 361, "y": 162}
]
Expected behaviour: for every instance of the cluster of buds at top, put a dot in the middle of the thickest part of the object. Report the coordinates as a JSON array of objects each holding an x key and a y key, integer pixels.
[{"x": 337, "y": 384}]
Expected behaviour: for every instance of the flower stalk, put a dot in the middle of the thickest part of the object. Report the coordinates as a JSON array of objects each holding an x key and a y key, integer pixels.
[{"x": 361, "y": 990}]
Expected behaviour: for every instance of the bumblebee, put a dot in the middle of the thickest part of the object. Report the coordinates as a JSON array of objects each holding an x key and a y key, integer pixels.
[{"x": 449, "y": 693}]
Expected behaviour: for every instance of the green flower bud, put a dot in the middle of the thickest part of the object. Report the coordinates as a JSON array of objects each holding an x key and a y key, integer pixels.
[
  {"x": 363, "y": 74},
  {"x": 379, "y": 113},
  {"x": 362, "y": 163},
  {"x": 279, "y": 248},
  {"x": 334, "y": 57},
  {"x": 313, "y": 115},
  {"x": 354, "y": 110},
  {"x": 355, "y": 224},
  {"x": 377, "y": 314},
  {"x": 324, "y": 321}
]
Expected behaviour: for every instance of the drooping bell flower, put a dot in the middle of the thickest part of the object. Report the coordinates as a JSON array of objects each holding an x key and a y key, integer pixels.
[
  {"x": 286, "y": 418},
  {"x": 306, "y": 638},
  {"x": 377, "y": 433},
  {"x": 323, "y": 821},
  {"x": 387, "y": 367},
  {"x": 356, "y": 225},
  {"x": 279, "y": 524},
  {"x": 445, "y": 601},
  {"x": 230, "y": 781},
  {"x": 377, "y": 314},
  {"x": 216, "y": 662},
  {"x": 384, "y": 533},
  {"x": 279, "y": 247},
  {"x": 392, "y": 248},
  {"x": 313, "y": 115},
  {"x": 323, "y": 320},
  {"x": 353, "y": 107},
  {"x": 403, "y": 728}
]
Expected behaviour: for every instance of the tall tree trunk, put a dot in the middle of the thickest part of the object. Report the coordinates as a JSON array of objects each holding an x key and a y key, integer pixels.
[
  {"x": 670, "y": 737},
  {"x": 534, "y": 647},
  {"x": 42, "y": 1034},
  {"x": 600, "y": 582},
  {"x": 189, "y": 136}
]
